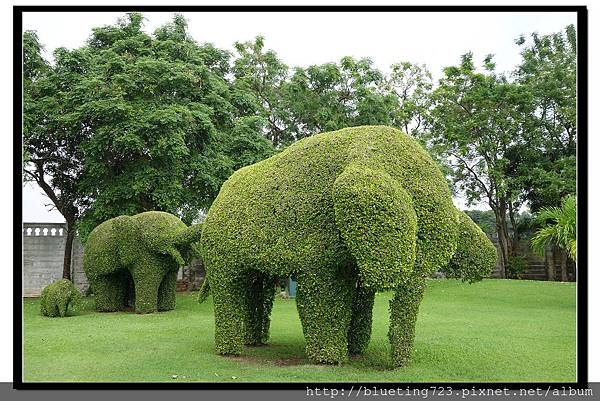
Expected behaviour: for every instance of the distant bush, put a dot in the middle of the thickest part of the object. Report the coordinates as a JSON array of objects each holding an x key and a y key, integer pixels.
[
  {"x": 516, "y": 266},
  {"x": 57, "y": 297}
]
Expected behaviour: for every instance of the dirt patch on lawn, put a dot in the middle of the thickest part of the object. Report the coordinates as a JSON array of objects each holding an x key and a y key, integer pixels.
[
  {"x": 253, "y": 360},
  {"x": 294, "y": 361},
  {"x": 250, "y": 360}
]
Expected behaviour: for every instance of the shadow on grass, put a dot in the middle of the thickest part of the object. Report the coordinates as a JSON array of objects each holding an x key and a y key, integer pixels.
[{"x": 376, "y": 358}]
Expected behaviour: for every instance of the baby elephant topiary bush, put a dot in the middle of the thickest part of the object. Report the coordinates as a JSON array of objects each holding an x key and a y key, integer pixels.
[
  {"x": 349, "y": 213},
  {"x": 134, "y": 260},
  {"x": 56, "y": 298}
]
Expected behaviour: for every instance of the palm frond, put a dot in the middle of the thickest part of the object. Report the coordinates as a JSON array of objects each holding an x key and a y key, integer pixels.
[{"x": 559, "y": 226}]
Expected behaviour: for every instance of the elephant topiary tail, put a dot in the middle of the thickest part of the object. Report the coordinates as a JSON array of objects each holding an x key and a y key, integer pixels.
[{"x": 204, "y": 291}]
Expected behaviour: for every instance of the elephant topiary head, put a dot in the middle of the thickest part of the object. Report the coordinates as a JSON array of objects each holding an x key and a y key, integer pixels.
[
  {"x": 475, "y": 255},
  {"x": 157, "y": 232}
]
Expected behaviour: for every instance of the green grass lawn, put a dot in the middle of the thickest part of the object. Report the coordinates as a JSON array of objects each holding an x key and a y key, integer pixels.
[{"x": 495, "y": 330}]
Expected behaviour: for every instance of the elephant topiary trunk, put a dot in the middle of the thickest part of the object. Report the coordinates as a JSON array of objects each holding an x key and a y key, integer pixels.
[
  {"x": 348, "y": 213},
  {"x": 134, "y": 260}
]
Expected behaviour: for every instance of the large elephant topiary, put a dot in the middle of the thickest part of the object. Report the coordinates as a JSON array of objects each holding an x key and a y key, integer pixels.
[
  {"x": 134, "y": 260},
  {"x": 349, "y": 213}
]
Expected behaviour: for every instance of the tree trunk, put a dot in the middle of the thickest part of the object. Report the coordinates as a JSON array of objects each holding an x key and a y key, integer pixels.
[
  {"x": 68, "y": 251},
  {"x": 563, "y": 265},
  {"x": 513, "y": 222},
  {"x": 504, "y": 241},
  {"x": 550, "y": 261}
]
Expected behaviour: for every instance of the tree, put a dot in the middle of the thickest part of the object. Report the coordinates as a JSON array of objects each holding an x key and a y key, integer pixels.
[
  {"x": 547, "y": 162},
  {"x": 259, "y": 77},
  {"x": 478, "y": 119},
  {"x": 150, "y": 120},
  {"x": 51, "y": 137},
  {"x": 485, "y": 219},
  {"x": 329, "y": 96},
  {"x": 332, "y": 96},
  {"x": 559, "y": 227},
  {"x": 163, "y": 123},
  {"x": 411, "y": 84}
]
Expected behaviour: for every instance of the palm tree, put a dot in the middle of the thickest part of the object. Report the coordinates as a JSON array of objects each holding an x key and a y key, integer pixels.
[{"x": 559, "y": 227}]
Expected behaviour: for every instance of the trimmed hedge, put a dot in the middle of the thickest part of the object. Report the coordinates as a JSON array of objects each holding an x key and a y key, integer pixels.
[
  {"x": 56, "y": 298},
  {"x": 349, "y": 213},
  {"x": 134, "y": 260}
]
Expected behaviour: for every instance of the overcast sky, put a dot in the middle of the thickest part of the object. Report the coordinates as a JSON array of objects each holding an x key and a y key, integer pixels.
[{"x": 300, "y": 39}]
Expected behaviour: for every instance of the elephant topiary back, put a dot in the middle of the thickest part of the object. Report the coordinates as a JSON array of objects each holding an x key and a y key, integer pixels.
[{"x": 272, "y": 209}]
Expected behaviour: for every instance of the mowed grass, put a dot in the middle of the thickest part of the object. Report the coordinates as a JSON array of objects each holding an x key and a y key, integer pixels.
[{"x": 495, "y": 330}]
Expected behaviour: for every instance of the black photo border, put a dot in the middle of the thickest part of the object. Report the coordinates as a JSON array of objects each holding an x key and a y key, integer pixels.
[{"x": 582, "y": 187}]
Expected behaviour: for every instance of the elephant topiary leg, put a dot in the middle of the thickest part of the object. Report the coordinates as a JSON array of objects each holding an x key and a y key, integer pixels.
[
  {"x": 110, "y": 291},
  {"x": 166, "y": 292},
  {"x": 362, "y": 318},
  {"x": 404, "y": 308},
  {"x": 147, "y": 282},
  {"x": 324, "y": 301},
  {"x": 259, "y": 298},
  {"x": 130, "y": 292},
  {"x": 227, "y": 291},
  {"x": 63, "y": 305}
]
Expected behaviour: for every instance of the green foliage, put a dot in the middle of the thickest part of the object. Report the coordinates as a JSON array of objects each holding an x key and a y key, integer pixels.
[
  {"x": 547, "y": 163},
  {"x": 411, "y": 84},
  {"x": 485, "y": 219},
  {"x": 56, "y": 298},
  {"x": 559, "y": 226},
  {"x": 516, "y": 266},
  {"x": 359, "y": 332},
  {"x": 51, "y": 140},
  {"x": 377, "y": 220},
  {"x": 307, "y": 100},
  {"x": 166, "y": 129},
  {"x": 404, "y": 308},
  {"x": 133, "y": 261},
  {"x": 259, "y": 80},
  {"x": 336, "y": 95},
  {"x": 479, "y": 119},
  {"x": 475, "y": 255},
  {"x": 133, "y": 122},
  {"x": 352, "y": 211}
]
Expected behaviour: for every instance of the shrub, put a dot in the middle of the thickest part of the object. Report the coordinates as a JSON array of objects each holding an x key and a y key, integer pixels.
[
  {"x": 516, "y": 266},
  {"x": 348, "y": 213},
  {"x": 56, "y": 298}
]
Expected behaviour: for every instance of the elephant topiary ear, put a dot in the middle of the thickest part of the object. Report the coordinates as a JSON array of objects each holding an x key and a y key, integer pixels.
[{"x": 126, "y": 232}]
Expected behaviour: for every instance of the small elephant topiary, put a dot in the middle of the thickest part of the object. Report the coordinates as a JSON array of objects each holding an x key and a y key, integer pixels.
[
  {"x": 134, "y": 260},
  {"x": 349, "y": 213},
  {"x": 56, "y": 298}
]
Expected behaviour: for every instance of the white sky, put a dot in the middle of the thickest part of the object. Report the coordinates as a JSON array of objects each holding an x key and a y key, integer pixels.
[{"x": 301, "y": 39}]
